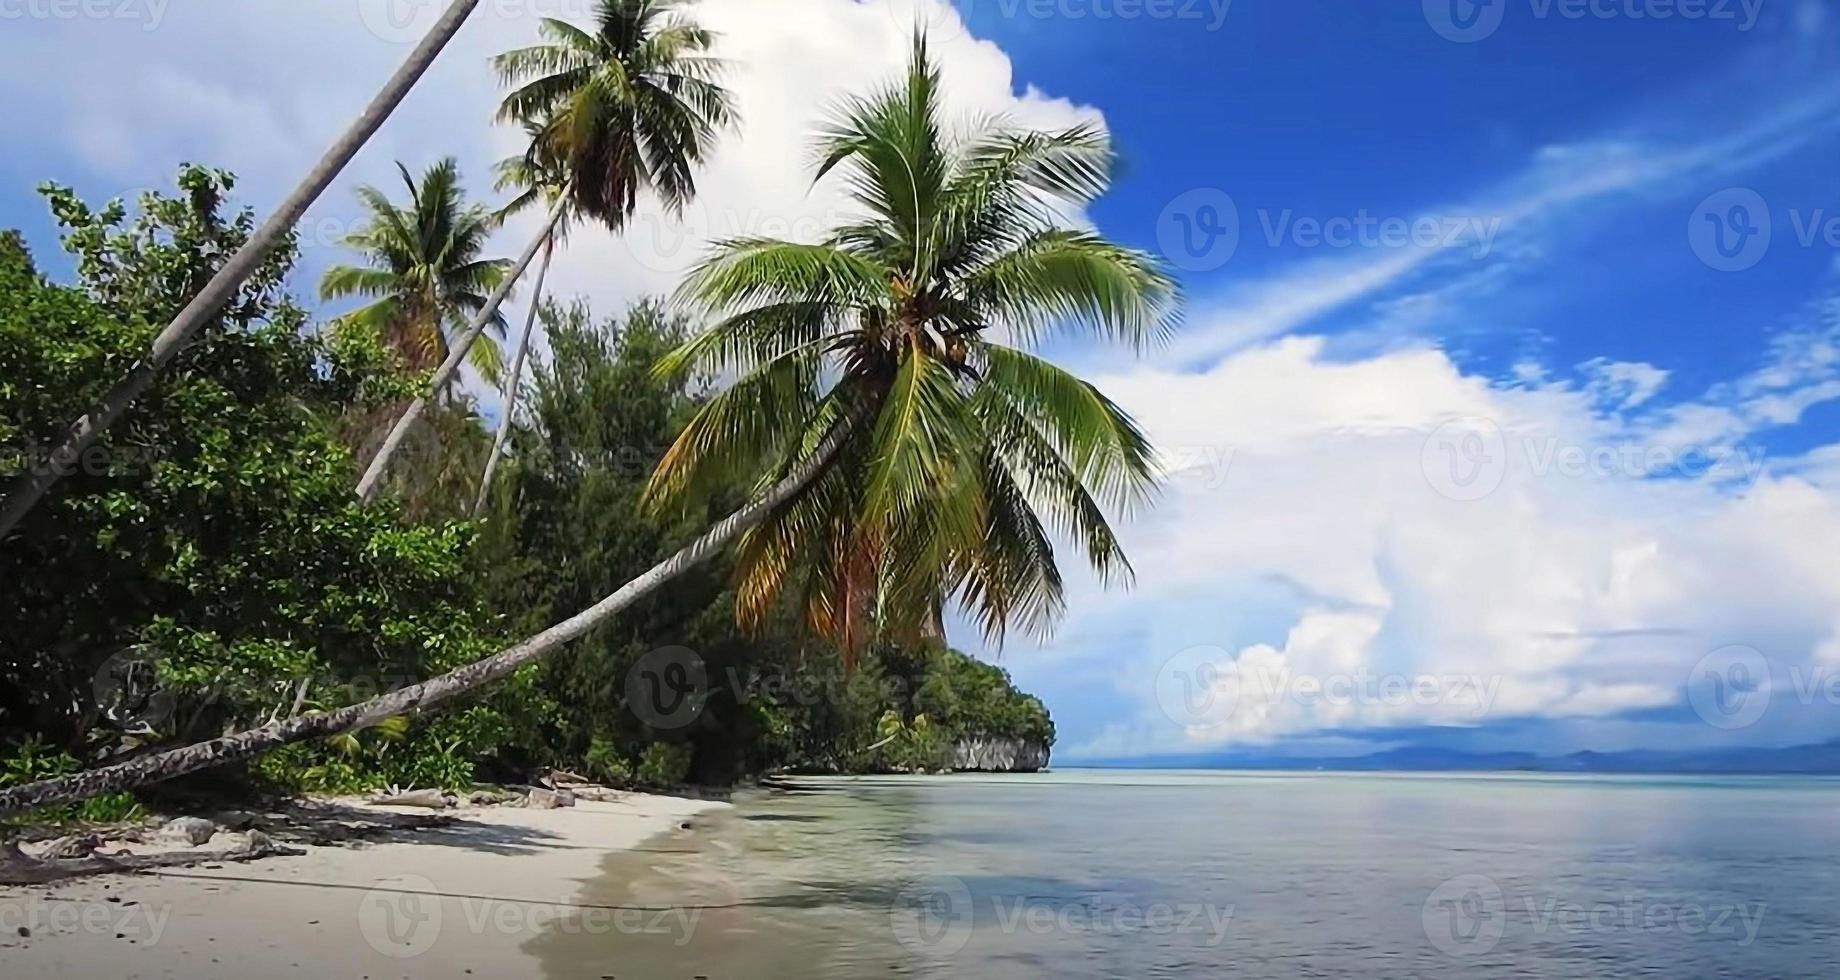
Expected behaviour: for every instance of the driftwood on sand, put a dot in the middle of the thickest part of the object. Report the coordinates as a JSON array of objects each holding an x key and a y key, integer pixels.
[{"x": 20, "y": 868}]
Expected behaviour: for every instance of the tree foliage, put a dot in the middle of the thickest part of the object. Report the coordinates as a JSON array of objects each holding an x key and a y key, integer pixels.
[
  {"x": 208, "y": 567},
  {"x": 425, "y": 276},
  {"x": 964, "y": 458}
]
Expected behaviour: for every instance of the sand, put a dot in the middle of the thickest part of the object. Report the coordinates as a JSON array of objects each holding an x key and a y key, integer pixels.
[{"x": 480, "y": 897}]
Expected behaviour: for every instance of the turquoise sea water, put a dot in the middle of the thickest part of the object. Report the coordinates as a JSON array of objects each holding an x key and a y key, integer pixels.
[{"x": 1165, "y": 874}]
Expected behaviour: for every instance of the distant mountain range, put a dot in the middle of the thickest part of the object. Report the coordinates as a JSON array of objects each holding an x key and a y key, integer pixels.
[{"x": 1821, "y": 759}]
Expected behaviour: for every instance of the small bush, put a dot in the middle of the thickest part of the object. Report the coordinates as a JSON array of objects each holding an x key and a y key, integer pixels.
[{"x": 663, "y": 765}]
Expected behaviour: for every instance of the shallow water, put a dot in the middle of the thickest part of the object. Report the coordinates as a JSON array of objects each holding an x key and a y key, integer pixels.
[{"x": 1101, "y": 874}]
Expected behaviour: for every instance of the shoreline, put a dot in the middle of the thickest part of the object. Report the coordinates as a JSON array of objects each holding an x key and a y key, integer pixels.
[{"x": 445, "y": 901}]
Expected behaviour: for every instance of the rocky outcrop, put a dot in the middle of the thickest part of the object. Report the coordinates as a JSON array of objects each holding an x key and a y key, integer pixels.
[{"x": 980, "y": 754}]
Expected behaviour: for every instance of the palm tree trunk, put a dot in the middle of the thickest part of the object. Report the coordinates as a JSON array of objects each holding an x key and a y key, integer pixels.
[
  {"x": 429, "y": 693},
  {"x": 517, "y": 372},
  {"x": 380, "y": 463},
  {"x": 31, "y": 486}
]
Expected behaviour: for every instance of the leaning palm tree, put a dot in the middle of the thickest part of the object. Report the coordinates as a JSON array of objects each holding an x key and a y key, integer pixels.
[
  {"x": 632, "y": 106},
  {"x": 30, "y": 487},
  {"x": 424, "y": 273},
  {"x": 906, "y": 455},
  {"x": 536, "y": 178}
]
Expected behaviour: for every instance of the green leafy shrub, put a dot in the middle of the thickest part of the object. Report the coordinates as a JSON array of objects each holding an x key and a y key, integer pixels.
[{"x": 663, "y": 765}]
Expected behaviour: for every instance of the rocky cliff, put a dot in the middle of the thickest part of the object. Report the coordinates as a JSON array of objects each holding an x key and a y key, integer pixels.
[{"x": 980, "y": 754}]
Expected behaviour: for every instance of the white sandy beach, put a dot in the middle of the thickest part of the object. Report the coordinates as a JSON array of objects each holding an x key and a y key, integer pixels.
[{"x": 447, "y": 902}]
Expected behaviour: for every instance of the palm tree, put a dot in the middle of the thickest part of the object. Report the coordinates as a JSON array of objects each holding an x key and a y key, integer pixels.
[
  {"x": 536, "y": 179},
  {"x": 961, "y": 456},
  {"x": 629, "y": 107},
  {"x": 900, "y": 447},
  {"x": 30, "y": 487},
  {"x": 424, "y": 272}
]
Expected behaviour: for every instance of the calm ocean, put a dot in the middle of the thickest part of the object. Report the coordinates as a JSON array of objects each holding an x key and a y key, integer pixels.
[{"x": 1167, "y": 874}]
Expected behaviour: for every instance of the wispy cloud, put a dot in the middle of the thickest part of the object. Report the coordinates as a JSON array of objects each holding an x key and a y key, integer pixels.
[{"x": 1559, "y": 181}]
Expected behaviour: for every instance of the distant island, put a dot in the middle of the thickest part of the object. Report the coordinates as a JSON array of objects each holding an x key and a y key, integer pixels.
[{"x": 1811, "y": 760}]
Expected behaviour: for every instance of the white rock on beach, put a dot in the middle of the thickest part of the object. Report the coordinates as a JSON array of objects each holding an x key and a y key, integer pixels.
[
  {"x": 189, "y": 830},
  {"x": 544, "y": 799}
]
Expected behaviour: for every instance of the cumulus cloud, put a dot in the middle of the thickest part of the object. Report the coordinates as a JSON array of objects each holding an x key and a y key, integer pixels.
[{"x": 1398, "y": 543}]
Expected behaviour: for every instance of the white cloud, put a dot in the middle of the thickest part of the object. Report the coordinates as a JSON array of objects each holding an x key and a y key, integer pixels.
[
  {"x": 1577, "y": 587},
  {"x": 262, "y": 89},
  {"x": 1622, "y": 385},
  {"x": 788, "y": 72}
]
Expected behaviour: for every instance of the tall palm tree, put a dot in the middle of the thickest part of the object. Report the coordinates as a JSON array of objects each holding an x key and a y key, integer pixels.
[
  {"x": 536, "y": 178},
  {"x": 632, "y": 106},
  {"x": 424, "y": 273},
  {"x": 962, "y": 456},
  {"x": 30, "y": 487},
  {"x": 629, "y": 107},
  {"x": 906, "y": 455}
]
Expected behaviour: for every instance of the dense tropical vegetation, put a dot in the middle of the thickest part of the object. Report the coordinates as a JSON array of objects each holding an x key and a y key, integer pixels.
[
  {"x": 208, "y": 566},
  {"x": 859, "y": 417}
]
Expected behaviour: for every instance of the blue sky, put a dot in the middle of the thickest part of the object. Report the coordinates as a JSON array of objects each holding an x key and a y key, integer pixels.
[{"x": 1532, "y": 442}]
